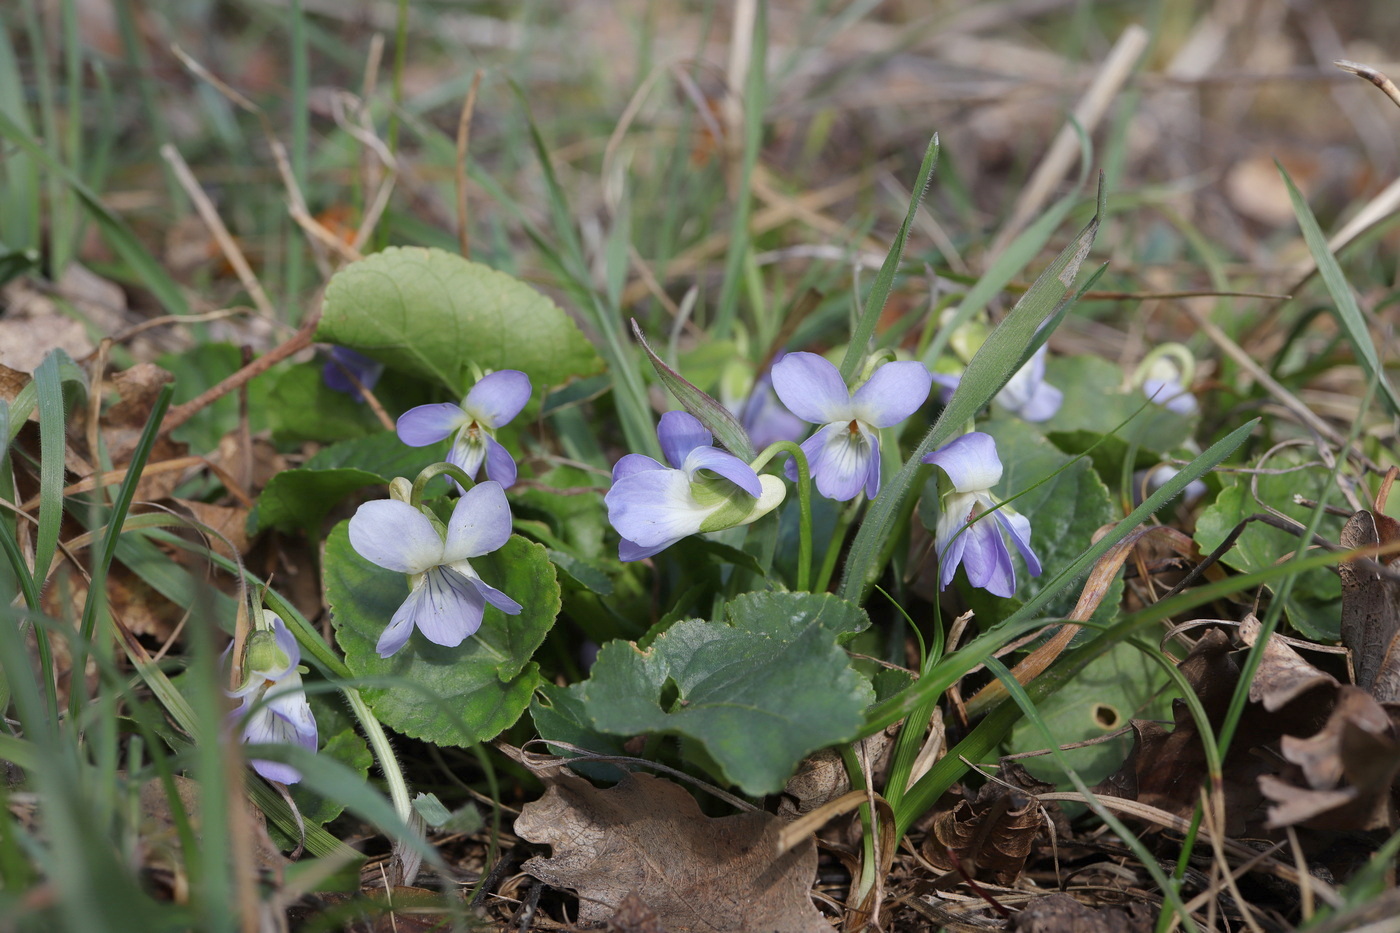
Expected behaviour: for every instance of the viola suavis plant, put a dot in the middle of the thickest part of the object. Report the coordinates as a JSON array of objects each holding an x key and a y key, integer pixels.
[{"x": 633, "y": 564}]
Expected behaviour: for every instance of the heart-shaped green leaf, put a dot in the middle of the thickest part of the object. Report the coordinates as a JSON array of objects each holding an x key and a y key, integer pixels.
[
  {"x": 432, "y": 313},
  {"x": 760, "y": 693}
]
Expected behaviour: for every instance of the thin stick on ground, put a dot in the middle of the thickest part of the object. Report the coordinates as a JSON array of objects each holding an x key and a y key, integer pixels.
[
  {"x": 464, "y": 135},
  {"x": 210, "y": 215},
  {"x": 1121, "y": 61}
]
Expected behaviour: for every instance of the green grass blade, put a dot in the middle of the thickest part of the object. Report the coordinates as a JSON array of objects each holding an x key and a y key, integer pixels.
[
  {"x": 719, "y": 420},
  {"x": 52, "y": 421},
  {"x": 115, "y": 231},
  {"x": 884, "y": 279},
  {"x": 1348, "y": 312},
  {"x": 1013, "y": 259},
  {"x": 740, "y": 238},
  {"x": 108, "y": 547}
]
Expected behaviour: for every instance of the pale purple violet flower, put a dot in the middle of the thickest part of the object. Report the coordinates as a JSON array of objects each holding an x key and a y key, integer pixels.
[
  {"x": 844, "y": 455},
  {"x": 653, "y": 507},
  {"x": 446, "y": 598},
  {"x": 272, "y": 684},
  {"x": 1026, "y": 394},
  {"x": 973, "y": 468},
  {"x": 493, "y": 401},
  {"x": 1170, "y": 395},
  {"x": 343, "y": 359}
]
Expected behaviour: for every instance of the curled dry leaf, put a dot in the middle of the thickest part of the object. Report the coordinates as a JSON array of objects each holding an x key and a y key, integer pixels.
[
  {"x": 992, "y": 834},
  {"x": 646, "y": 836},
  {"x": 1371, "y": 607},
  {"x": 1349, "y": 767},
  {"x": 1288, "y": 697}
]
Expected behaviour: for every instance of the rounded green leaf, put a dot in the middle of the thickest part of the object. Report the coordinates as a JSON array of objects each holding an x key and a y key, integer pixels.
[
  {"x": 447, "y": 696},
  {"x": 1313, "y": 604},
  {"x": 432, "y": 313},
  {"x": 1120, "y": 685},
  {"x": 760, "y": 693}
]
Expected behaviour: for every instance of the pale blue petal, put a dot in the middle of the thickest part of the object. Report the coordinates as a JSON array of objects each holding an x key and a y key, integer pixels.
[
  {"x": 872, "y": 472},
  {"x": 631, "y": 550},
  {"x": 500, "y": 465},
  {"x": 634, "y": 463},
  {"x": 680, "y": 432},
  {"x": 428, "y": 424},
  {"x": 480, "y": 523},
  {"x": 498, "y": 397},
  {"x": 396, "y": 536},
  {"x": 950, "y": 553},
  {"x": 287, "y": 700},
  {"x": 267, "y": 728},
  {"x": 468, "y": 451},
  {"x": 767, "y": 420},
  {"x": 276, "y": 771},
  {"x": 445, "y": 607},
  {"x": 725, "y": 464},
  {"x": 970, "y": 461},
  {"x": 839, "y": 460},
  {"x": 947, "y": 385},
  {"x": 1044, "y": 402},
  {"x": 1019, "y": 527},
  {"x": 1169, "y": 394},
  {"x": 894, "y": 392},
  {"x": 287, "y": 642},
  {"x": 366, "y": 370},
  {"x": 396, "y": 634},
  {"x": 987, "y": 561},
  {"x": 812, "y": 389},
  {"x": 495, "y": 597},
  {"x": 655, "y": 508}
]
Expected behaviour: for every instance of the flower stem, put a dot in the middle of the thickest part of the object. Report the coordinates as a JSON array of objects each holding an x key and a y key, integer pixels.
[
  {"x": 388, "y": 763},
  {"x": 833, "y": 551},
  {"x": 433, "y": 471},
  {"x": 804, "y": 504}
]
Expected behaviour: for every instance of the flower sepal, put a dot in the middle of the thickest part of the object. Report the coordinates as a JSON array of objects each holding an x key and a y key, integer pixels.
[{"x": 738, "y": 507}]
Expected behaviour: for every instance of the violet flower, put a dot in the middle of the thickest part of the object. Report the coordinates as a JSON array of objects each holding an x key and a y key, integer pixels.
[
  {"x": 272, "y": 684},
  {"x": 973, "y": 468},
  {"x": 493, "y": 402},
  {"x": 1026, "y": 394},
  {"x": 1170, "y": 395},
  {"x": 446, "y": 598},
  {"x": 343, "y": 360},
  {"x": 653, "y": 507},
  {"x": 844, "y": 455}
]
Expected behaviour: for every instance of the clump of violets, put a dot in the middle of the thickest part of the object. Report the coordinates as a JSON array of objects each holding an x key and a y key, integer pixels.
[
  {"x": 273, "y": 707},
  {"x": 492, "y": 403},
  {"x": 709, "y": 489},
  {"x": 345, "y": 363},
  {"x": 973, "y": 468},
  {"x": 1026, "y": 394},
  {"x": 844, "y": 455},
  {"x": 446, "y": 598}
]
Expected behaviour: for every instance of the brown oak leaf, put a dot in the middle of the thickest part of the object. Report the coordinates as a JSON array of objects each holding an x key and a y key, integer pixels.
[
  {"x": 992, "y": 834},
  {"x": 648, "y": 836}
]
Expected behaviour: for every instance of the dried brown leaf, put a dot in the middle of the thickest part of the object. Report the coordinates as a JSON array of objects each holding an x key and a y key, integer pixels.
[
  {"x": 1371, "y": 607},
  {"x": 990, "y": 836},
  {"x": 1283, "y": 674},
  {"x": 648, "y": 836},
  {"x": 1349, "y": 767}
]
